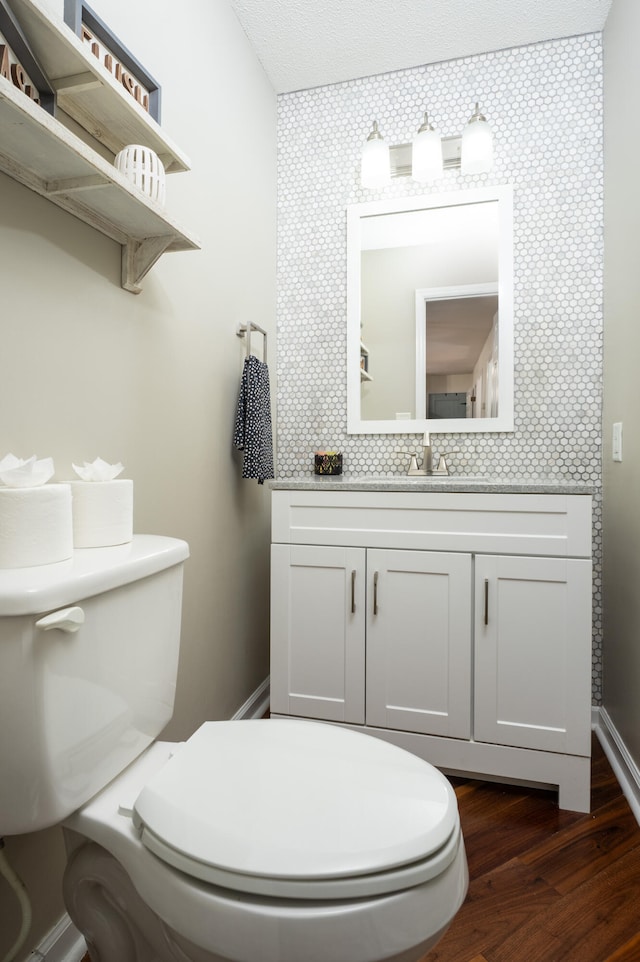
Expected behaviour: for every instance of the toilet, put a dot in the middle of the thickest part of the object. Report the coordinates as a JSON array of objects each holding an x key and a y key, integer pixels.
[{"x": 253, "y": 841}]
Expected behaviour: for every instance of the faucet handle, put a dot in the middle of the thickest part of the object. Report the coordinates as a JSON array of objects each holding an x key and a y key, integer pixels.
[
  {"x": 443, "y": 467},
  {"x": 413, "y": 468}
]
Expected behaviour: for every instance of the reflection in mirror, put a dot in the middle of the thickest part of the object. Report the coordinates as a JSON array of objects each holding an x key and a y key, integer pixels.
[
  {"x": 457, "y": 371},
  {"x": 429, "y": 314}
]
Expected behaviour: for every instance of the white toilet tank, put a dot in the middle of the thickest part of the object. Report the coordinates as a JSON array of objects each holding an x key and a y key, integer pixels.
[{"x": 88, "y": 665}]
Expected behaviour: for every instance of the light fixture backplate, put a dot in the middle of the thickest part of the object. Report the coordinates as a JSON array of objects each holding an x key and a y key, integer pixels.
[{"x": 400, "y": 156}]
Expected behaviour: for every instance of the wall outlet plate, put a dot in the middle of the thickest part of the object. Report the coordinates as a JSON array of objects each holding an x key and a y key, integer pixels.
[{"x": 616, "y": 447}]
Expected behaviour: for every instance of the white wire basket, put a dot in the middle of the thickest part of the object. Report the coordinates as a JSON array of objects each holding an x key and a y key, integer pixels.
[{"x": 144, "y": 168}]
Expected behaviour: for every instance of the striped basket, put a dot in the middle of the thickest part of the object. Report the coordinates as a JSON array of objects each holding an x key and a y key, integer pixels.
[{"x": 144, "y": 168}]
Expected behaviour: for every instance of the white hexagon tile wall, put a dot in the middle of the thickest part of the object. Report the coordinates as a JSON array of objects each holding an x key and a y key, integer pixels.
[{"x": 544, "y": 103}]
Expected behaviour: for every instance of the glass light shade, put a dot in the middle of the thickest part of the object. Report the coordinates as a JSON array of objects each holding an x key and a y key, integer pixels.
[
  {"x": 375, "y": 168},
  {"x": 477, "y": 145},
  {"x": 426, "y": 156}
]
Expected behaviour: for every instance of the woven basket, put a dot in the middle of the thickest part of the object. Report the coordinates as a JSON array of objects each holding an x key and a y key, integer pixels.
[{"x": 144, "y": 168}]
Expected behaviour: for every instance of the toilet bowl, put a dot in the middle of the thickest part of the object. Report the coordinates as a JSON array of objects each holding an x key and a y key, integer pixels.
[
  {"x": 270, "y": 841},
  {"x": 273, "y": 840}
]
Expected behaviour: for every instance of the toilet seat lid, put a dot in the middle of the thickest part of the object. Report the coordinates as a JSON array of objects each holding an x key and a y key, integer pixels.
[{"x": 270, "y": 806}]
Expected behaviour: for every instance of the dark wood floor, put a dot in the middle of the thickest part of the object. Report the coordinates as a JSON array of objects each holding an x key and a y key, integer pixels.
[{"x": 547, "y": 885}]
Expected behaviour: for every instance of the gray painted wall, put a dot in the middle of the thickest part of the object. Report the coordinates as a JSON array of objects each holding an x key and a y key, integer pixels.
[
  {"x": 622, "y": 349},
  {"x": 151, "y": 380}
]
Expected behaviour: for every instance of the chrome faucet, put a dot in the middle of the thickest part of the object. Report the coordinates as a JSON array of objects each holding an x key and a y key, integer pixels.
[{"x": 427, "y": 460}]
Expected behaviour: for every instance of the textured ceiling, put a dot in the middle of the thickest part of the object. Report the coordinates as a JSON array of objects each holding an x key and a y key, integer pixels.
[{"x": 310, "y": 43}]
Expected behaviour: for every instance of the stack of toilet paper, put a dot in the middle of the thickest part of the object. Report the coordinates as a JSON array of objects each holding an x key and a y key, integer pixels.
[
  {"x": 102, "y": 506},
  {"x": 35, "y": 517},
  {"x": 41, "y": 523}
]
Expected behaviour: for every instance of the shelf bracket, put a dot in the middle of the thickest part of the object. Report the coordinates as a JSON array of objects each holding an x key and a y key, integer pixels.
[{"x": 138, "y": 257}]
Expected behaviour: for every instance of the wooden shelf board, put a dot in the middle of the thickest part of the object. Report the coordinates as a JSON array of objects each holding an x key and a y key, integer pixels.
[
  {"x": 42, "y": 154},
  {"x": 87, "y": 92}
]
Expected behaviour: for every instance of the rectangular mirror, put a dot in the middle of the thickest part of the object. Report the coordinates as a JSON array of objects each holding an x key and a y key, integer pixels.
[{"x": 430, "y": 314}]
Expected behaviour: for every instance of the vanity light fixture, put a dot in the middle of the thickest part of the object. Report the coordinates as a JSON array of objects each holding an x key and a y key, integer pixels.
[
  {"x": 375, "y": 169},
  {"x": 426, "y": 154},
  {"x": 477, "y": 145},
  {"x": 429, "y": 154}
]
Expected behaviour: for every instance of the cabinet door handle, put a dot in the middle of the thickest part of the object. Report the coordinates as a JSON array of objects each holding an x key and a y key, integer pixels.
[
  {"x": 353, "y": 592},
  {"x": 375, "y": 592},
  {"x": 486, "y": 601}
]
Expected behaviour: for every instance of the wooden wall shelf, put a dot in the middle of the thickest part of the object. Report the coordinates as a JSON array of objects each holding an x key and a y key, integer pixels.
[
  {"x": 43, "y": 154},
  {"x": 87, "y": 92}
]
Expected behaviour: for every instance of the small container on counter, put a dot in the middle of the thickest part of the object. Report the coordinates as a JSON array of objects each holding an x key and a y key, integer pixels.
[{"x": 327, "y": 462}]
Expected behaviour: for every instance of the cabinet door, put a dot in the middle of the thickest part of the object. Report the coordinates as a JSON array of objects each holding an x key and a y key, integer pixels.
[
  {"x": 317, "y": 631},
  {"x": 419, "y": 641},
  {"x": 533, "y": 653}
]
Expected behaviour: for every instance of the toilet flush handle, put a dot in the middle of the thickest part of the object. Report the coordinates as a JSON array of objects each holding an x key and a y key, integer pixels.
[{"x": 67, "y": 619}]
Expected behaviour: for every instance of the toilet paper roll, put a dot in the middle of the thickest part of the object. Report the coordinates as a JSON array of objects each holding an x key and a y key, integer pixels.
[
  {"x": 35, "y": 525},
  {"x": 102, "y": 513}
]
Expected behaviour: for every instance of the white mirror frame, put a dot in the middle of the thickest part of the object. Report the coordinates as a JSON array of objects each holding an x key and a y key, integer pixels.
[{"x": 355, "y": 215}]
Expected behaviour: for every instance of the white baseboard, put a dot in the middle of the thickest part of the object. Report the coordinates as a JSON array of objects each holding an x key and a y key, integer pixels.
[
  {"x": 623, "y": 765},
  {"x": 256, "y": 704},
  {"x": 62, "y": 944}
]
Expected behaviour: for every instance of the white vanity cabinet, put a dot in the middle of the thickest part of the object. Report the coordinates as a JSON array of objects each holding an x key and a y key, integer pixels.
[{"x": 457, "y": 625}]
